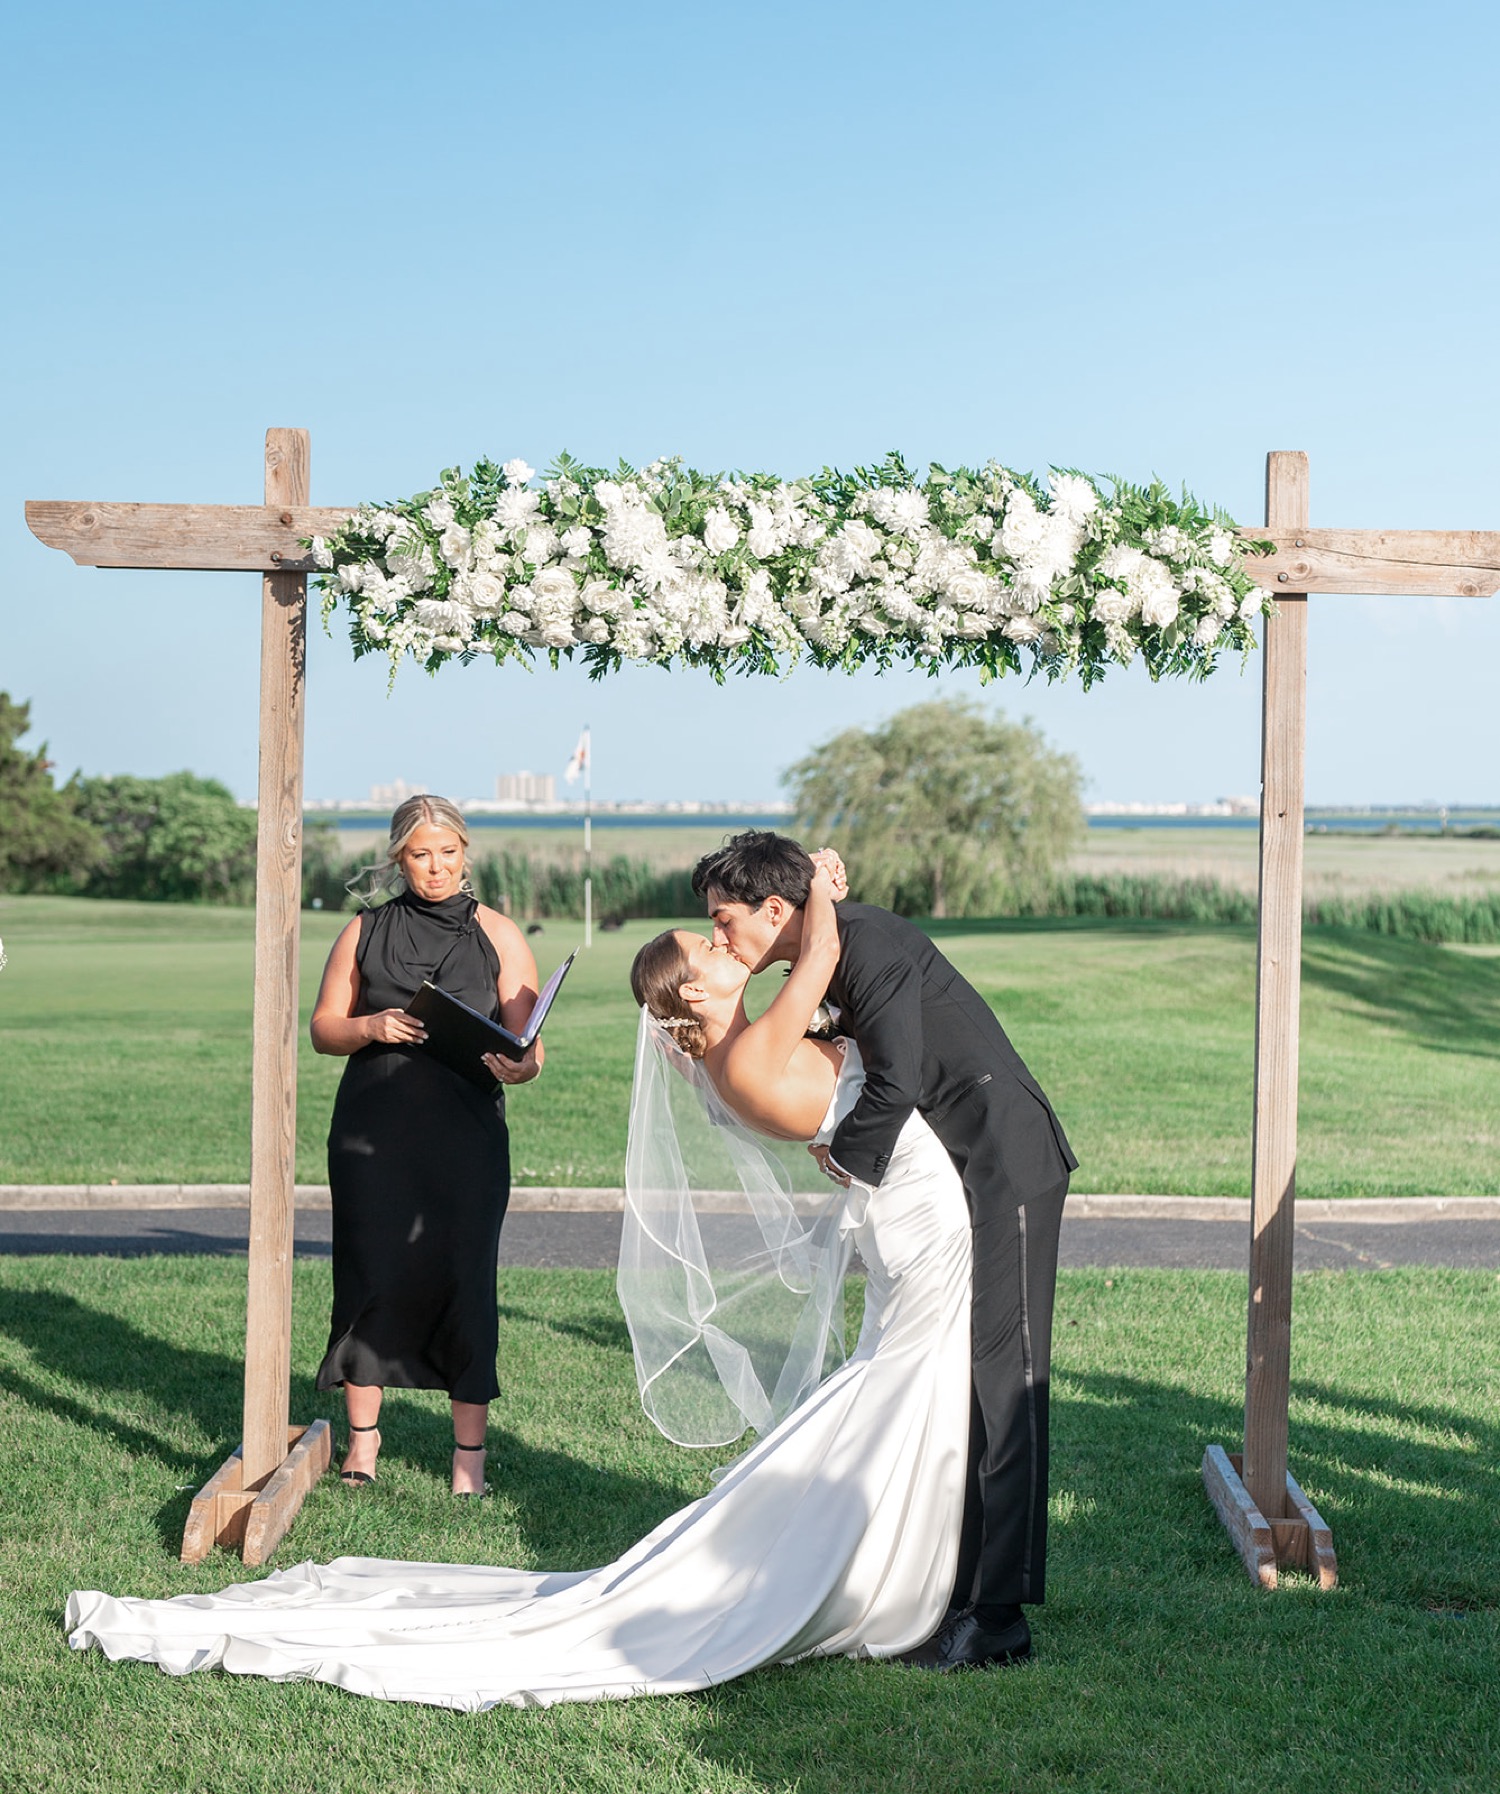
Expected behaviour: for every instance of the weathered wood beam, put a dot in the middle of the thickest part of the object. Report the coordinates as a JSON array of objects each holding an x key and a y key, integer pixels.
[
  {"x": 193, "y": 538},
  {"x": 278, "y": 916},
  {"x": 1277, "y": 1001},
  {"x": 268, "y": 539},
  {"x": 1433, "y": 563}
]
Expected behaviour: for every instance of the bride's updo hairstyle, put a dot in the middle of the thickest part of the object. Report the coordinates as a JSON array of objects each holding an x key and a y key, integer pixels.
[{"x": 660, "y": 969}]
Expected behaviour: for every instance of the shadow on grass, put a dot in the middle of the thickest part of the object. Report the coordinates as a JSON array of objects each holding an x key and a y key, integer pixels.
[
  {"x": 1446, "y": 1002},
  {"x": 120, "y": 1376},
  {"x": 1409, "y": 1491}
]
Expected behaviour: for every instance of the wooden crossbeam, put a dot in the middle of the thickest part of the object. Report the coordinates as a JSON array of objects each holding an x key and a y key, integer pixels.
[
  {"x": 187, "y": 538},
  {"x": 1460, "y": 563},
  {"x": 268, "y": 539}
]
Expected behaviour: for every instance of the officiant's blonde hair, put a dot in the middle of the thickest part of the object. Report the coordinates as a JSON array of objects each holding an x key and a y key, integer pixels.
[{"x": 424, "y": 810}]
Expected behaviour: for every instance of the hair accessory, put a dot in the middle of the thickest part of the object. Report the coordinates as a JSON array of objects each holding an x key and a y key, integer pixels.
[{"x": 673, "y": 1022}]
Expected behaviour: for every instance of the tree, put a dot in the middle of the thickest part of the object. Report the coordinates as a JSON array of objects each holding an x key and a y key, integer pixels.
[
  {"x": 44, "y": 843},
  {"x": 942, "y": 810},
  {"x": 178, "y": 839}
]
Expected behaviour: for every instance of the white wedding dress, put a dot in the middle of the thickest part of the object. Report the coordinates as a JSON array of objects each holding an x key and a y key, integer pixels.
[{"x": 837, "y": 1534}]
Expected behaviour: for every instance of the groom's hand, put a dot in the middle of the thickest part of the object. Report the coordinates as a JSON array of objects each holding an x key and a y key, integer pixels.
[
  {"x": 828, "y": 858},
  {"x": 828, "y": 1167}
]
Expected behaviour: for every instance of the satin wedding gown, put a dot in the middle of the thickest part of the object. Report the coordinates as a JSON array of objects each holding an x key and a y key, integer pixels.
[{"x": 837, "y": 1534}]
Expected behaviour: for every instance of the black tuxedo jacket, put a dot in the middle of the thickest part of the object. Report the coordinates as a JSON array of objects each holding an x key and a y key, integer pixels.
[{"x": 930, "y": 1042}]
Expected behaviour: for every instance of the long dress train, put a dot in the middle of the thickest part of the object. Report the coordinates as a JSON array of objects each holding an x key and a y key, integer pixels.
[{"x": 837, "y": 1534}]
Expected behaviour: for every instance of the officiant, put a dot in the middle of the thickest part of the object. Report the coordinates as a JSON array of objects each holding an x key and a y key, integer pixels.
[{"x": 418, "y": 1154}]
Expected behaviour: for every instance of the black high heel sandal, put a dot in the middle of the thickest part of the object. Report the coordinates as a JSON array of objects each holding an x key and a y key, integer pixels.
[
  {"x": 470, "y": 1494},
  {"x": 357, "y": 1479}
]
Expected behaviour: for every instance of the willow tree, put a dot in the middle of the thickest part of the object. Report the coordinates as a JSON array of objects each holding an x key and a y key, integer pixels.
[{"x": 943, "y": 810}]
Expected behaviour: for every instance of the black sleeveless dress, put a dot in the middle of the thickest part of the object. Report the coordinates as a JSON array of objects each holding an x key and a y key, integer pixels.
[{"x": 419, "y": 1165}]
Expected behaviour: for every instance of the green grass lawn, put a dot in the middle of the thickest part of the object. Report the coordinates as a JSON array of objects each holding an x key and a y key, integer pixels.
[
  {"x": 1159, "y": 1666},
  {"x": 124, "y": 1051}
]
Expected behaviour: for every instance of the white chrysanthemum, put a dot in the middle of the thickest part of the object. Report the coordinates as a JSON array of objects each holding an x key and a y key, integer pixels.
[
  {"x": 899, "y": 508},
  {"x": 1073, "y": 496},
  {"x": 439, "y": 512},
  {"x": 516, "y": 472},
  {"x": 541, "y": 544},
  {"x": 517, "y": 508},
  {"x": 352, "y": 575}
]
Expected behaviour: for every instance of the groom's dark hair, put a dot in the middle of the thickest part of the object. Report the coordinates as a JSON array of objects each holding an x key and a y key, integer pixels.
[{"x": 753, "y": 866}]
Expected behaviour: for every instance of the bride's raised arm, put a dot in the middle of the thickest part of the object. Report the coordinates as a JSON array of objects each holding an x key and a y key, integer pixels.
[{"x": 765, "y": 1048}]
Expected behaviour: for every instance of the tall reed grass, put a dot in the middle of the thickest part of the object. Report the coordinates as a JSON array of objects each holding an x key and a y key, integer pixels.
[{"x": 625, "y": 889}]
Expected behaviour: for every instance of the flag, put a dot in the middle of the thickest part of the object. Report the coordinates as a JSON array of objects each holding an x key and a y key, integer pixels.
[{"x": 579, "y": 762}]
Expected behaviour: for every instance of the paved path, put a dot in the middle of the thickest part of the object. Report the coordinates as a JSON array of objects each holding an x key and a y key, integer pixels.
[{"x": 554, "y": 1238}]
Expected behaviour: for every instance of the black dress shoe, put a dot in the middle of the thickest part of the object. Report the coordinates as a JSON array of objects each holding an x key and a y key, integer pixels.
[{"x": 961, "y": 1642}]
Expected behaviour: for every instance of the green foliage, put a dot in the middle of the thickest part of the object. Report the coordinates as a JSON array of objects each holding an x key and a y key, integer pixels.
[
  {"x": 1416, "y": 915},
  {"x": 943, "y": 811},
  {"x": 520, "y": 884},
  {"x": 44, "y": 843},
  {"x": 178, "y": 839}
]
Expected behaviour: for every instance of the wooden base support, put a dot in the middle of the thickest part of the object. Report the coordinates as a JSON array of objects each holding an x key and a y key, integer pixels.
[
  {"x": 226, "y": 1513},
  {"x": 1299, "y": 1540}
]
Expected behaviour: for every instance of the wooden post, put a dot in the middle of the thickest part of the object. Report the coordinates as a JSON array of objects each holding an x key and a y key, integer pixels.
[
  {"x": 278, "y": 915},
  {"x": 1277, "y": 1004}
]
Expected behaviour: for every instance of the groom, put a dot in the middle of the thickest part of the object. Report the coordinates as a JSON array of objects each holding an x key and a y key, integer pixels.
[{"x": 930, "y": 1042}]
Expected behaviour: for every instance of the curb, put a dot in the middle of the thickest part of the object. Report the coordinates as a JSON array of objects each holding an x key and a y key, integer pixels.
[{"x": 1353, "y": 1210}]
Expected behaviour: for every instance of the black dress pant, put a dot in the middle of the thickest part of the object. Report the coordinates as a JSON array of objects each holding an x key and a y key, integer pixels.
[{"x": 1015, "y": 1179}]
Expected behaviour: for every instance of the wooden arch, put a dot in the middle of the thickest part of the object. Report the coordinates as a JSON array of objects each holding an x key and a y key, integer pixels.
[{"x": 253, "y": 1498}]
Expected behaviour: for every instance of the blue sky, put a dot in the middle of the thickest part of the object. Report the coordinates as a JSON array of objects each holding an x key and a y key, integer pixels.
[{"x": 1155, "y": 239}]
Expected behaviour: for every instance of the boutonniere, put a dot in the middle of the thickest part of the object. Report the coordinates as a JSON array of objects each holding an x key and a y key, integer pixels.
[{"x": 825, "y": 1021}]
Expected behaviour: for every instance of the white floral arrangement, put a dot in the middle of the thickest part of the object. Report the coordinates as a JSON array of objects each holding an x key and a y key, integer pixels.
[{"x": 749, "y": 573}]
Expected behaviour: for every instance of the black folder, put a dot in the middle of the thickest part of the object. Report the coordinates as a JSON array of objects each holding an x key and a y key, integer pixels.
[{"x": 461, "y": 1036}]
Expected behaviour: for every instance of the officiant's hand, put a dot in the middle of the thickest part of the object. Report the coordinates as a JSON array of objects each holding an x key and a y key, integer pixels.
[
  {"x": 394, "y": 1027},
  {"x": 516, "y": 1071},
  {"x": 828, "y": 859}
]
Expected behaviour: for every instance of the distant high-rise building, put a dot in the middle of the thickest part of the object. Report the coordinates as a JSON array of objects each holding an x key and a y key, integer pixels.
[
  {"x": 526, "y": 788},
  {"x": 397, "y": 792}
]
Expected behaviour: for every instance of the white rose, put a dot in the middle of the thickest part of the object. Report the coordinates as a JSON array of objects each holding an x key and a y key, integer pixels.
[
  {"x": 720, "y": 531},
  {"x": 1251, "y": 603},
  {"x": 555, "y": 586},
  {"x": 517, "y": 473},
  {"x": 1206, "y": 631},
  {"x": 596, "y": 630},
  {"x": 1112, "y": 606},
  {"x": 1221, "y": 547},
  {"x": 577, "y": 541},
  {"x": 484, "y": 593},
  {"x": 440, "y": 512},
  {"x": 455, "y": 545},
  {"x": 1022, "y": 629},
  {"x": 1160, "y": 601}
]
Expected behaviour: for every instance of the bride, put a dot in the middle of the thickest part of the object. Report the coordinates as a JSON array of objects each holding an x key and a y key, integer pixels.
[{"x": 835, "y": 1534}]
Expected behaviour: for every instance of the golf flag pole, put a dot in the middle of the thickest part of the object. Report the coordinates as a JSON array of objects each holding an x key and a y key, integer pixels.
[{"x": 583, "y": 762}]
